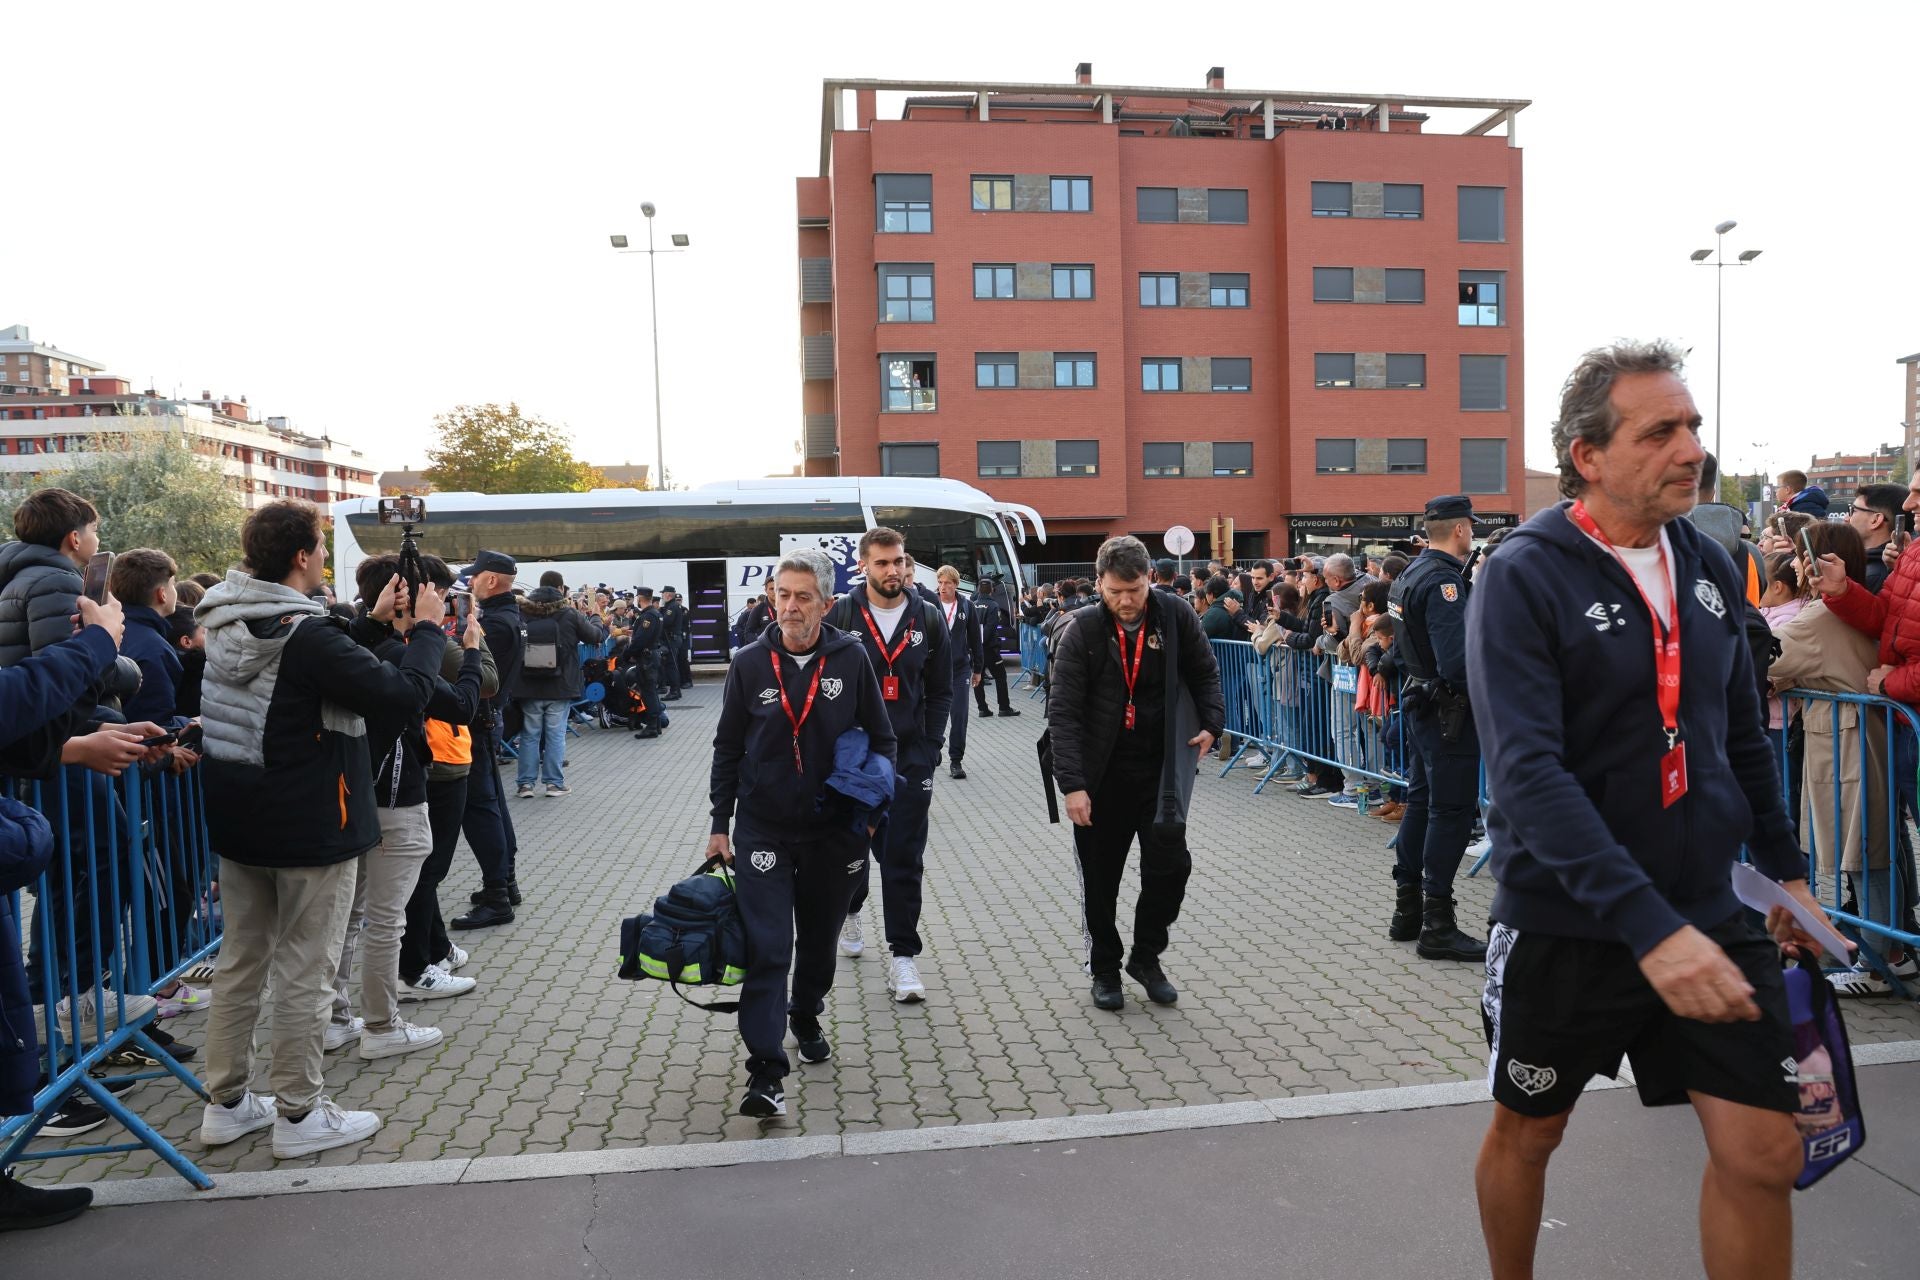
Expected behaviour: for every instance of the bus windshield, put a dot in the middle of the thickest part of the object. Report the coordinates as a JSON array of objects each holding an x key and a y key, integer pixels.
[{"x": 974, "y": 545}]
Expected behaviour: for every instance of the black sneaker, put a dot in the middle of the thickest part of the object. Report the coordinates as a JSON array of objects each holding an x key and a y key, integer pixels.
[
  {"x": 956, "y": 772},
  {"x": 22, "y": 1208},
  {"x": 131, "y": 1055},
  {"x": 76, "y": 1115},
  {"x": 984, "y": 712},
  {"x": 1008, "y": 711},
  {"x": 1149, "y": 975},
  {"x": 812, "y": 1041},
  {"x": 1107, "y": 993},
  {"x": 764, "y": 1099}
]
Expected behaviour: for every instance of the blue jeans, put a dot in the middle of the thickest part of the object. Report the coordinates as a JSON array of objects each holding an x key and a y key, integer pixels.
[{"x": 543, "y": 740}]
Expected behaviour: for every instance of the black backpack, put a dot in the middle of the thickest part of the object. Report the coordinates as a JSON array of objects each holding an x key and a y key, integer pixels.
[{"x": 693, "y": 937}]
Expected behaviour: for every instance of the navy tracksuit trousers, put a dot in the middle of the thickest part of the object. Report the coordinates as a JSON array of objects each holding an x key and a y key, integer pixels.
[
  {"x": 900, "y": 847},
  {"x": 792, "y": 892},
  {"x": 957, "y": 715}
]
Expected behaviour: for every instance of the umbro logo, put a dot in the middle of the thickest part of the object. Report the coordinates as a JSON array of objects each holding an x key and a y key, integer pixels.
[
  {"x": 1605, "y": 616},
  {"x": 770, "y": 696},
  {"x": 926, "y": 784},
  {"x": 856, "y": 867}
]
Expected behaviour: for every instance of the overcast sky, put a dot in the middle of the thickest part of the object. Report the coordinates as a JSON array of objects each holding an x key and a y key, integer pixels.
[{"x": 359, "y": 215}]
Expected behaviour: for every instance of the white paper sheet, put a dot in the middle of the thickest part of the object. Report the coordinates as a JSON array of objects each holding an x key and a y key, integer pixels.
[{"x": 1763, "y": 893}]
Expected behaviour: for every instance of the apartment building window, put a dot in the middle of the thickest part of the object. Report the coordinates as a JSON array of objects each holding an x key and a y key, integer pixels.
[
  {"x": 1483, "y": 382},
  {"x": 992, "y": 193},
  {"x": 1227, "y": 289},
  {"x": 1333, "y": 199},
  {"x": 1406, "y": 370},
  {"x": 1232, "y": 373},
  {"x": 1072, "y": 282},
  {"x": 1226, "y": 204},
  {"x": 993, "y": 280},
  {"x": 1163, "y": 461},
  {"x": 1482, "y": 297},
  {"x": 1333, "y": 457},
  {"x": 1233, "y": 457},
  {"x": 1158, "y": 204},
  {"x": 1071, "y": 195},
  {"x": 1333, "y": 369},
  {"x": 1073, "y": 368},
  {"x": 1403, "y": 200},
  {"x": 996, "y": 369},
  {"x": 1483, "y": 466},
  {"x": 910, "y": 460},
  {"x": 905, "y": 201},
  {"x": 906, "y": 293},
  {"x": 1406, "y": 284},
  {"x": 1333, "y": 284},
  {"x": 1483, "y": 214},
  {"x": 1076, "y": 457},
  {"x": 1159, "y": 289},
  {"x": 999, "y": 458},
  {"x": 1407, "y": 457},
  {"x": 907, "y": 383},
  {"x": 1160, "y": 373}
]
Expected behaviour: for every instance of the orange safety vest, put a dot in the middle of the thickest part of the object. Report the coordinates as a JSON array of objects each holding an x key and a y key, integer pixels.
[{"x": 449, "y": 743}]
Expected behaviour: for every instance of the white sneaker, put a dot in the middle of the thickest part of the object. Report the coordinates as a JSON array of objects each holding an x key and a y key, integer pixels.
[
  {"x": 905, "y": 982},
  {"x": 404, "y": 1038},
  {"x": 220, "y": 1125},
  {"x": 1862, "y": 981},
  {"x": 1253, "y": 760},
  {"x": 342, "y": 1034},
  {"x": 436, "y": 983},
  {"x": 138, "y": 1007},
  {"x": 325, "y": 1127},
  {"x": 455, "y": 957},
  {"x": 852, "y": 940}
]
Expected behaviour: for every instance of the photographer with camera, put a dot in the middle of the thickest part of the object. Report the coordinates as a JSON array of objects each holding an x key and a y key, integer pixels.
[
  {"x": 488, "y": 825},
  {"x": 290, "y": 809},
  {"x": 388, "y": 873}
]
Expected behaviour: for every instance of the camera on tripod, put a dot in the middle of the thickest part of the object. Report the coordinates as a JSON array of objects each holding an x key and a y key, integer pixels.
[{"x": 407, "y": 512}]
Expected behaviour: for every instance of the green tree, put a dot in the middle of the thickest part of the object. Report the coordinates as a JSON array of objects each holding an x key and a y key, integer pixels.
[
  {"x": 151, "y": 491},
  {"x": 490, "y": 448}
]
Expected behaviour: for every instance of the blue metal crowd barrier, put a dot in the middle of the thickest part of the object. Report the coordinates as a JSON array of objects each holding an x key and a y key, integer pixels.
[
  {"x": 128, "y": 904},
  {"x": 1033, "y": 658},
  {"x": 1295, "y": 705}
]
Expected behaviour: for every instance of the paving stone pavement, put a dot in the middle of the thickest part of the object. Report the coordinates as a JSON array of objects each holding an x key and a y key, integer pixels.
[{"x": 1288, "y": 985}]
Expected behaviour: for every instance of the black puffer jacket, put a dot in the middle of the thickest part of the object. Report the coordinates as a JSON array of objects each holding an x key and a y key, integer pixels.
[
  {"x": 38, "y": 586},
  {"x": 401, "y": 780},
  {"x": 1088, "y": 693}
]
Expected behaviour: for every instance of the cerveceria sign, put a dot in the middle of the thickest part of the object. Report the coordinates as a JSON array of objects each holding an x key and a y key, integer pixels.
[{"x": 1363, "y": 526}]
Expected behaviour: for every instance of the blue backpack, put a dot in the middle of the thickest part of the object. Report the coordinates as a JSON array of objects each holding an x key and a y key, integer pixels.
[{"x": 693, "y": 937}]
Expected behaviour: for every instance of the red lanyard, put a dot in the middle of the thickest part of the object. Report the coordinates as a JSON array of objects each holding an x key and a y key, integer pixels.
[
  {"x": 1666, "y": 640},
  {"x": 950, "y": 610},
  {"x": 780, "y": 683},
  {"x": 1132, "y": 673},
  {"x": 906, "y": 634}
]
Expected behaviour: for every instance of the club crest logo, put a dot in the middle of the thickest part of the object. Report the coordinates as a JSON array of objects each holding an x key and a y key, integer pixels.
[
  {"x": 762, "y": 860},
  {"x": 1531, "y": 1080},
  {"x": 1153, "y": 639},
  {"x": 831, "y": 686},
  {"x": 1449, "y": 592},
  {"x": 917, "y": 638},
  {"x": 769, "y": 696},
  {"x": 1709, "y": 595}
]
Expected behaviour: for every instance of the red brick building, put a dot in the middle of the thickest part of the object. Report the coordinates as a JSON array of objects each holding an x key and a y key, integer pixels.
[{"x": 1133, "y": 308}]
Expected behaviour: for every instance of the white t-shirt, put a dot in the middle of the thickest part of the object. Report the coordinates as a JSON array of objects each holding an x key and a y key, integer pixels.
[
  {"x": 1645, "y": 565},
  {"x": 888, "y": 620},
  {"x": 802, "y": 659}
]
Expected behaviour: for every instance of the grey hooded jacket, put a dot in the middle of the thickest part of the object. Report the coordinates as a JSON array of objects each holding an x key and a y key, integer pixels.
[{"x": 288, "y": 780}]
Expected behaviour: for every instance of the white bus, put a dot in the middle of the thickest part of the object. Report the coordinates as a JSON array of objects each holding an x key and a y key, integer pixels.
[{"x": 716, "y": 544}]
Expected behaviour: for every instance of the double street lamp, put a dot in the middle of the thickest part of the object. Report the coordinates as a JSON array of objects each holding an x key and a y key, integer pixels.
[
  {"x": 653, "y": 295},
  {"x": 1716, "y": 258}
]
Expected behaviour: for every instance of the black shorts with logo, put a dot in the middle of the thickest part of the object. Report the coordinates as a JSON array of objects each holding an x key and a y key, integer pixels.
[{"x": 1559, "y": 1011}]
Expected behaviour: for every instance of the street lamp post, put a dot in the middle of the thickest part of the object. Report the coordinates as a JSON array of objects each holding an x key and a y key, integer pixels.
[
  {"x": 1716, "y": 258},
  {"x": 653, "y": 297}
]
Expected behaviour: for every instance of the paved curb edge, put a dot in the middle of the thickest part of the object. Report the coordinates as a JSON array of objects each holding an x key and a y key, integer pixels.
[{"x": 162, "y": 1188}]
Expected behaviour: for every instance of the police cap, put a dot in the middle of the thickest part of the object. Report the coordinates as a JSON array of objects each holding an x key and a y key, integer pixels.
[
  {"x": 645, "y": 593},
  {"x": 491, "y": 562},
  {"x": 1451, "y": 506}
]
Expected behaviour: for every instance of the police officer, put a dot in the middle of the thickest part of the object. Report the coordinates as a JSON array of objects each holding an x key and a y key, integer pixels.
[
  {"x": 643, "y": 653},
  {"x": 1428, "y": 604},
  {"x": 789, "y": 696},
  {"x": 963, "y": 627},
  {"x": 906, "y": 641},
  {"x": 486, "y": 822},
  {"x": 673, "y": 626}
]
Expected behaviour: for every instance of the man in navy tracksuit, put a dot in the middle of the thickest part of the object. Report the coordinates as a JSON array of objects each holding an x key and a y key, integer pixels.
[
  {"x": 1627, "y": 764},
  {"x": 962, "y": 617},
  {"x": 789, "y": 696},
  {"x": 906, "y": 641}
]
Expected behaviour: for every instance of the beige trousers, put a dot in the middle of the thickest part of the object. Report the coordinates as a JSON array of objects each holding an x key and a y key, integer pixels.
[
  {"x": 284, "y": 922},
  {"x": 378, "y": 920}
]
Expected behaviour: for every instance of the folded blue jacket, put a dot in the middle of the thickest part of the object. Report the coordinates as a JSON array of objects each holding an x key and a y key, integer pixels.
[{"x": 861, "y": 776}]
